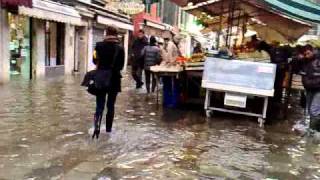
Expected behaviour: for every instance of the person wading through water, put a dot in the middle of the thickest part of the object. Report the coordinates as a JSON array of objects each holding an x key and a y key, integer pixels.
[
  {"x": 136, "y": 58},
  {"x": 308, "y": 65},
  {"x": 151, "y": 54},
  {"x": 109, "y": 55}
]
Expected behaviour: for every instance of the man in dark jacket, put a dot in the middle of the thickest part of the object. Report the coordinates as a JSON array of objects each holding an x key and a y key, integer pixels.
[
  {"x": 136, "y": 58},
  {"x": 309, "y": 67},
  {"x": 105, "y": 59}
]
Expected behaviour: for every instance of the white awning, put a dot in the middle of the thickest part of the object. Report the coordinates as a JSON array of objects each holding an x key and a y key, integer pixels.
[
  {"x": 48, "y": 10},
  {"x": 156, "y": 25},
  {"x": 112, "y": 22}
]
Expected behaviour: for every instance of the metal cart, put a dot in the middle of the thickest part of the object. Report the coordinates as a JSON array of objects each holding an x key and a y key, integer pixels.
[{"x": 238, "y": 80}]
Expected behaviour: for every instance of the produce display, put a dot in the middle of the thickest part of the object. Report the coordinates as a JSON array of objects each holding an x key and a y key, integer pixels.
[
  {"x": 253, "y": 56},
  {"x": 197, "y": 57}
]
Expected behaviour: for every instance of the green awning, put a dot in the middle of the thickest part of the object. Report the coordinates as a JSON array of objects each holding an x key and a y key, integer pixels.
[{"x": 300, "y": 9}]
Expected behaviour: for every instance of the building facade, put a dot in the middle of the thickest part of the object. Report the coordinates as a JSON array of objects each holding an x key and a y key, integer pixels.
[{"x": 45, "y": 38}]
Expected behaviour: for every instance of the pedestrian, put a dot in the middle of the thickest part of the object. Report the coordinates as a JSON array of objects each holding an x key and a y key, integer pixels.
[
  {"x": 151, "y": 54},
  {"x": 170, "y": 51},
  {"x": 109, "y": 55},
  {"x": 309, "y": 67},
  {"x": 197, "y": 48},
  {"x": 136, "y": 58}
]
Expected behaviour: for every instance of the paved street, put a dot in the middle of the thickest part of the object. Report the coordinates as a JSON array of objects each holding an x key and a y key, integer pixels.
[{"x": 44, "y": 134}]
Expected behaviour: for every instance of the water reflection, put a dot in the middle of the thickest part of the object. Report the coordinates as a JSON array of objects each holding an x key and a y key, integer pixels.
[{"x": 44, "y": 135}]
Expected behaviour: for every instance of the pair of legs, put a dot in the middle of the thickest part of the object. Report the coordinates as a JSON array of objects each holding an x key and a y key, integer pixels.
[
  {"x": 100, "y": 105},
  {"x": 150, "y": 77},
  {"x": 137, "y": 75},
  {"x": 313, "y": 106}
]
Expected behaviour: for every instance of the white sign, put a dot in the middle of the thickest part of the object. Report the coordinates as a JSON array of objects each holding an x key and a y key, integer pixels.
[
  {"x": 128, "y": 6},
  {"x": 235, "y": 100}
]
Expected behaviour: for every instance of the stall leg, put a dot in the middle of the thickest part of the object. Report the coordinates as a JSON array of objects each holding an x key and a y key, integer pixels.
[
  {"x": 265, "y": 107},
  {"x": 158, "y": 82},
  {"x": 207, "y": 103},
  {"x": 264, "y": 113}
]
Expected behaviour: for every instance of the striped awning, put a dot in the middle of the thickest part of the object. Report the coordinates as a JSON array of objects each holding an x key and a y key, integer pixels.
[
  {"x": 52, "y": 11},
  {"x": 300, "y": 9}
]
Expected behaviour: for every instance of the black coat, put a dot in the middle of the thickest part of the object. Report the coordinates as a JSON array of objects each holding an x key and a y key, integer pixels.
[
  {"x": 137, "y": 47},
  {"x": 310, "y": 72},
  {"x": 105, "y": 52}
]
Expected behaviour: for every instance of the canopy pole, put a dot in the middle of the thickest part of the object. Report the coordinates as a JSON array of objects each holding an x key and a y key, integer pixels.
[
  {"x": 220, "y": 27},
  {"x": 230, "y": 23}
]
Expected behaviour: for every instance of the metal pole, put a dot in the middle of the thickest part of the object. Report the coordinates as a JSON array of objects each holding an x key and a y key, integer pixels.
[{"x": 220, "y": 27}]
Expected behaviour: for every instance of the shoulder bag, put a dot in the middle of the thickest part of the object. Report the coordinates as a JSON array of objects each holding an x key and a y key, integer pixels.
[{"x": 99, "y": 81}]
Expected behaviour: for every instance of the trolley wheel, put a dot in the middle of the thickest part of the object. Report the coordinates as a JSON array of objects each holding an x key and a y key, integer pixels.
[
  {"x": 261, "y": 122},
  {"x": 208, "y": 113}
]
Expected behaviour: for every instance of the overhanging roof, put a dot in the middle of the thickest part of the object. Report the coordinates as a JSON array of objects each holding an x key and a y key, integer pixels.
[{"x": 285, "y": 25}]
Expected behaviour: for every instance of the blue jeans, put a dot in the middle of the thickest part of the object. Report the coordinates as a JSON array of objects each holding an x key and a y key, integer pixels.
[
  {"x": 313, "y": 106},
  {"x": 100, "y": 104}
]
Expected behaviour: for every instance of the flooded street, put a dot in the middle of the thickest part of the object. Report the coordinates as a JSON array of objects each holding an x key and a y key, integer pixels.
[{"x": 44, "y": 134}]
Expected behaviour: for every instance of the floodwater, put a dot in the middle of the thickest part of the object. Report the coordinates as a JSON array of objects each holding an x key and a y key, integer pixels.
[{"x": 44, "y": 134}]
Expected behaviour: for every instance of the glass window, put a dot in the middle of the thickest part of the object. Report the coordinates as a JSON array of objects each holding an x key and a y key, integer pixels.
[{"x": 19, "y": 45}]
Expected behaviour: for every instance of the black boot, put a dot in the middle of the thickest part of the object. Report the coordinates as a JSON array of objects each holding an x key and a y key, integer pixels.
[
  {"x": 97, "y": 125},
  {"x": 109, "y": 121}
]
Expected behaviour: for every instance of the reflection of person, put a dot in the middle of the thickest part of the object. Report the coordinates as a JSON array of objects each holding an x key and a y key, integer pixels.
[
  {"x": 197, "y": 49},
  {"x": 137, "y": 60},
  {"x": 309, "y": 66},
  {"x": 151, "y": 54},
  {"x": 103, "y": 51}
]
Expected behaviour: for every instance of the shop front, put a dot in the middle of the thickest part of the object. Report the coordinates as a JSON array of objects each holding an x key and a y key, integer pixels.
[
  {"x": 15, "y": 58},
  {"x": 19, "y": 46},
  {"x": 53, "y": 37},
  {"x": 153, "y": 29}
]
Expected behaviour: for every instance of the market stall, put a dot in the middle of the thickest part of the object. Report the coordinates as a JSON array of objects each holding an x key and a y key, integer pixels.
[{"x": 271, "y": 20}]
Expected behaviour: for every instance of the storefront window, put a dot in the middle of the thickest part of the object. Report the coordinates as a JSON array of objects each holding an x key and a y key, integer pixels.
[
  {"x": 54, "y": 42},
  {"x": 19, "y": 45}
]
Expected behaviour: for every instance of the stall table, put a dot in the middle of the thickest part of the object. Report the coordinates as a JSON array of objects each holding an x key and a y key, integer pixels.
[{"x": 163, "y": 71}]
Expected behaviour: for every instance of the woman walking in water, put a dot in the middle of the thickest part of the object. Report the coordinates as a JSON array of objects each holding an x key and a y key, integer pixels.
[{"x": 109, "y": 55}]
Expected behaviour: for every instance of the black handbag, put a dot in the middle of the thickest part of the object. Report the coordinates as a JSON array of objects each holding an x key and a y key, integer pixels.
[{"x": 99, "y": 81}]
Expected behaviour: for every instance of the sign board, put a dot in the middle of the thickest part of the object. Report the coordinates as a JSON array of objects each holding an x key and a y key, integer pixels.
[
  {"x": 130, "y": 7},
  {"x": 235, "y": 100},
  {"x": 242, "y": 77}
]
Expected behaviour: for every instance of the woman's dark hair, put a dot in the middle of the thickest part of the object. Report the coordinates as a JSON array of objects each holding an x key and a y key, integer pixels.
[
  {"x": 308, "y": 47},
  {"x": 112, "y": 31},
  {"x": 153, "y": 41}
]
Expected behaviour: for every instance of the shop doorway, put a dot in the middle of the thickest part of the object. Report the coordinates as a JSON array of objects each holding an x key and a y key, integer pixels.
[
  {"x": 19, "y": 46},
  {"x": 54, "y": 48}
]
